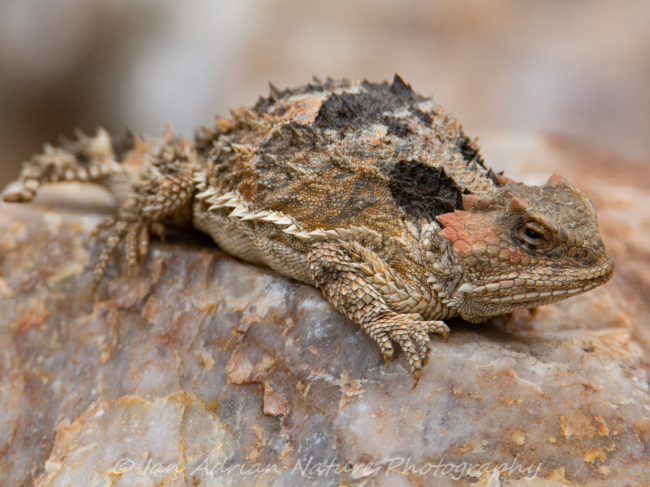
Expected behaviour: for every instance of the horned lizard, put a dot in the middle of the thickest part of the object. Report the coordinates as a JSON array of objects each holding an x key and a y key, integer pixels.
[{"x": 368, "y": 191}]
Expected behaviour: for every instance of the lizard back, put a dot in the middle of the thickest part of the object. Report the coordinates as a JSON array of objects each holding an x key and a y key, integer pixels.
[{"x": 339, "y": 153}]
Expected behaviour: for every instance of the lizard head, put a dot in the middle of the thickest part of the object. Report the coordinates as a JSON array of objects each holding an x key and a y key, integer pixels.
[{"x": 524, "y": 246}]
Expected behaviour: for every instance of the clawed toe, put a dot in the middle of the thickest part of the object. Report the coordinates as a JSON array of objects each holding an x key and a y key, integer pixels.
[
  {"x": 424, "y": 342},
  {"x": 136, "y": 237},
  {"x": 402, "y": 336},
  {"x": 386, "y": 348},
  {"x": 388, "y": 359},
  {"x": 438, "y": 327},
  {"x": 416, "y": 377},
  {"x": 412, "y": 336}
]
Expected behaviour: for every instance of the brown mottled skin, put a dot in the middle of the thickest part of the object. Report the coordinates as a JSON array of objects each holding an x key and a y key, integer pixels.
[{"x": 370, "y": 192}]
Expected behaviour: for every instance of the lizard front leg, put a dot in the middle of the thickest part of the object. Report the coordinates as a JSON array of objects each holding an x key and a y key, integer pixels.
[{"x": 339, "y": 273}]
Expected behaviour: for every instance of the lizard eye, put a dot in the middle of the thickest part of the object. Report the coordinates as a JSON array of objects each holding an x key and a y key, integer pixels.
[{"x": 534, "y": 236}]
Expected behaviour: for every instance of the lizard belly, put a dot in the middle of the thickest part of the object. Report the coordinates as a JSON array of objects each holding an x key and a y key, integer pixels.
[{"x": 241, "y": 240}]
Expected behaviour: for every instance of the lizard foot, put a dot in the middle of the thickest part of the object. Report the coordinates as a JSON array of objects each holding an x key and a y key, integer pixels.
[
  {"x": 408, "y": 331},
  {"x": 136, "y": 237}
]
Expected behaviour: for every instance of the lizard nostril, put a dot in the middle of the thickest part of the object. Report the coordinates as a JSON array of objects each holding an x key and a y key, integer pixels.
[{"x": 583, "y": 254}]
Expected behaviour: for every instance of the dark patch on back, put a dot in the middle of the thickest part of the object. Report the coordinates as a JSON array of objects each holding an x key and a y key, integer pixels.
[
  {"x": 263, "y": 104},
  {"x": 399, "y": 87},
  {"x": 347, "y": 110},
  {"x": 357, "y": 110},
  {"x": 425, "y": 118},
  {"x": 396, "y": 127},
  {"x": 423, "y": 190}
]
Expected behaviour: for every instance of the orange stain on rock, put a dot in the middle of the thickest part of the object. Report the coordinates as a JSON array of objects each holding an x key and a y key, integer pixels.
[{"x": 31, "y": 317}]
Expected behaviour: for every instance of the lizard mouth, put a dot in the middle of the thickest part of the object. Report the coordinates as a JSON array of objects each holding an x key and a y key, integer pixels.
[{"x": 541, "y": 287}]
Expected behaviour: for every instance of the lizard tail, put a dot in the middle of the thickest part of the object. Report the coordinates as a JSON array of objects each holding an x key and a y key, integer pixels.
[{"x": 86, "y": 159}]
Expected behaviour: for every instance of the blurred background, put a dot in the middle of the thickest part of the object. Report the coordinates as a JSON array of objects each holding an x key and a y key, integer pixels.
[{"x": 578, "y": 68}]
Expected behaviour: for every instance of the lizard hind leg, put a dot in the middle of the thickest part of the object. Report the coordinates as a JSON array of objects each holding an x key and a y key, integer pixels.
[
  {"x": 345, "y": 285},
  {"x": 135, "y": 235},
  {"x": 135, "y": 232},
  {"x": 164, "y": 192}
]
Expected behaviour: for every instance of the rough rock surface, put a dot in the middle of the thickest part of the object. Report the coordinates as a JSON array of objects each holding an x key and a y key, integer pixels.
[{"x": 203, "y": 370}]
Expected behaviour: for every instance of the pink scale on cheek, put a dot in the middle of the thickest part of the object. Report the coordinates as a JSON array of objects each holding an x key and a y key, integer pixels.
[
  {"x": 476, "y": 230},
  {"x": 447, "y": 219},
  {"x": 463, "y": 248},
  {"x": 450, "y": 234},
  {"x": 515, "y": 255},
  {"x": 492, "y": 235},
  {"x": 463, "y": 234}
]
